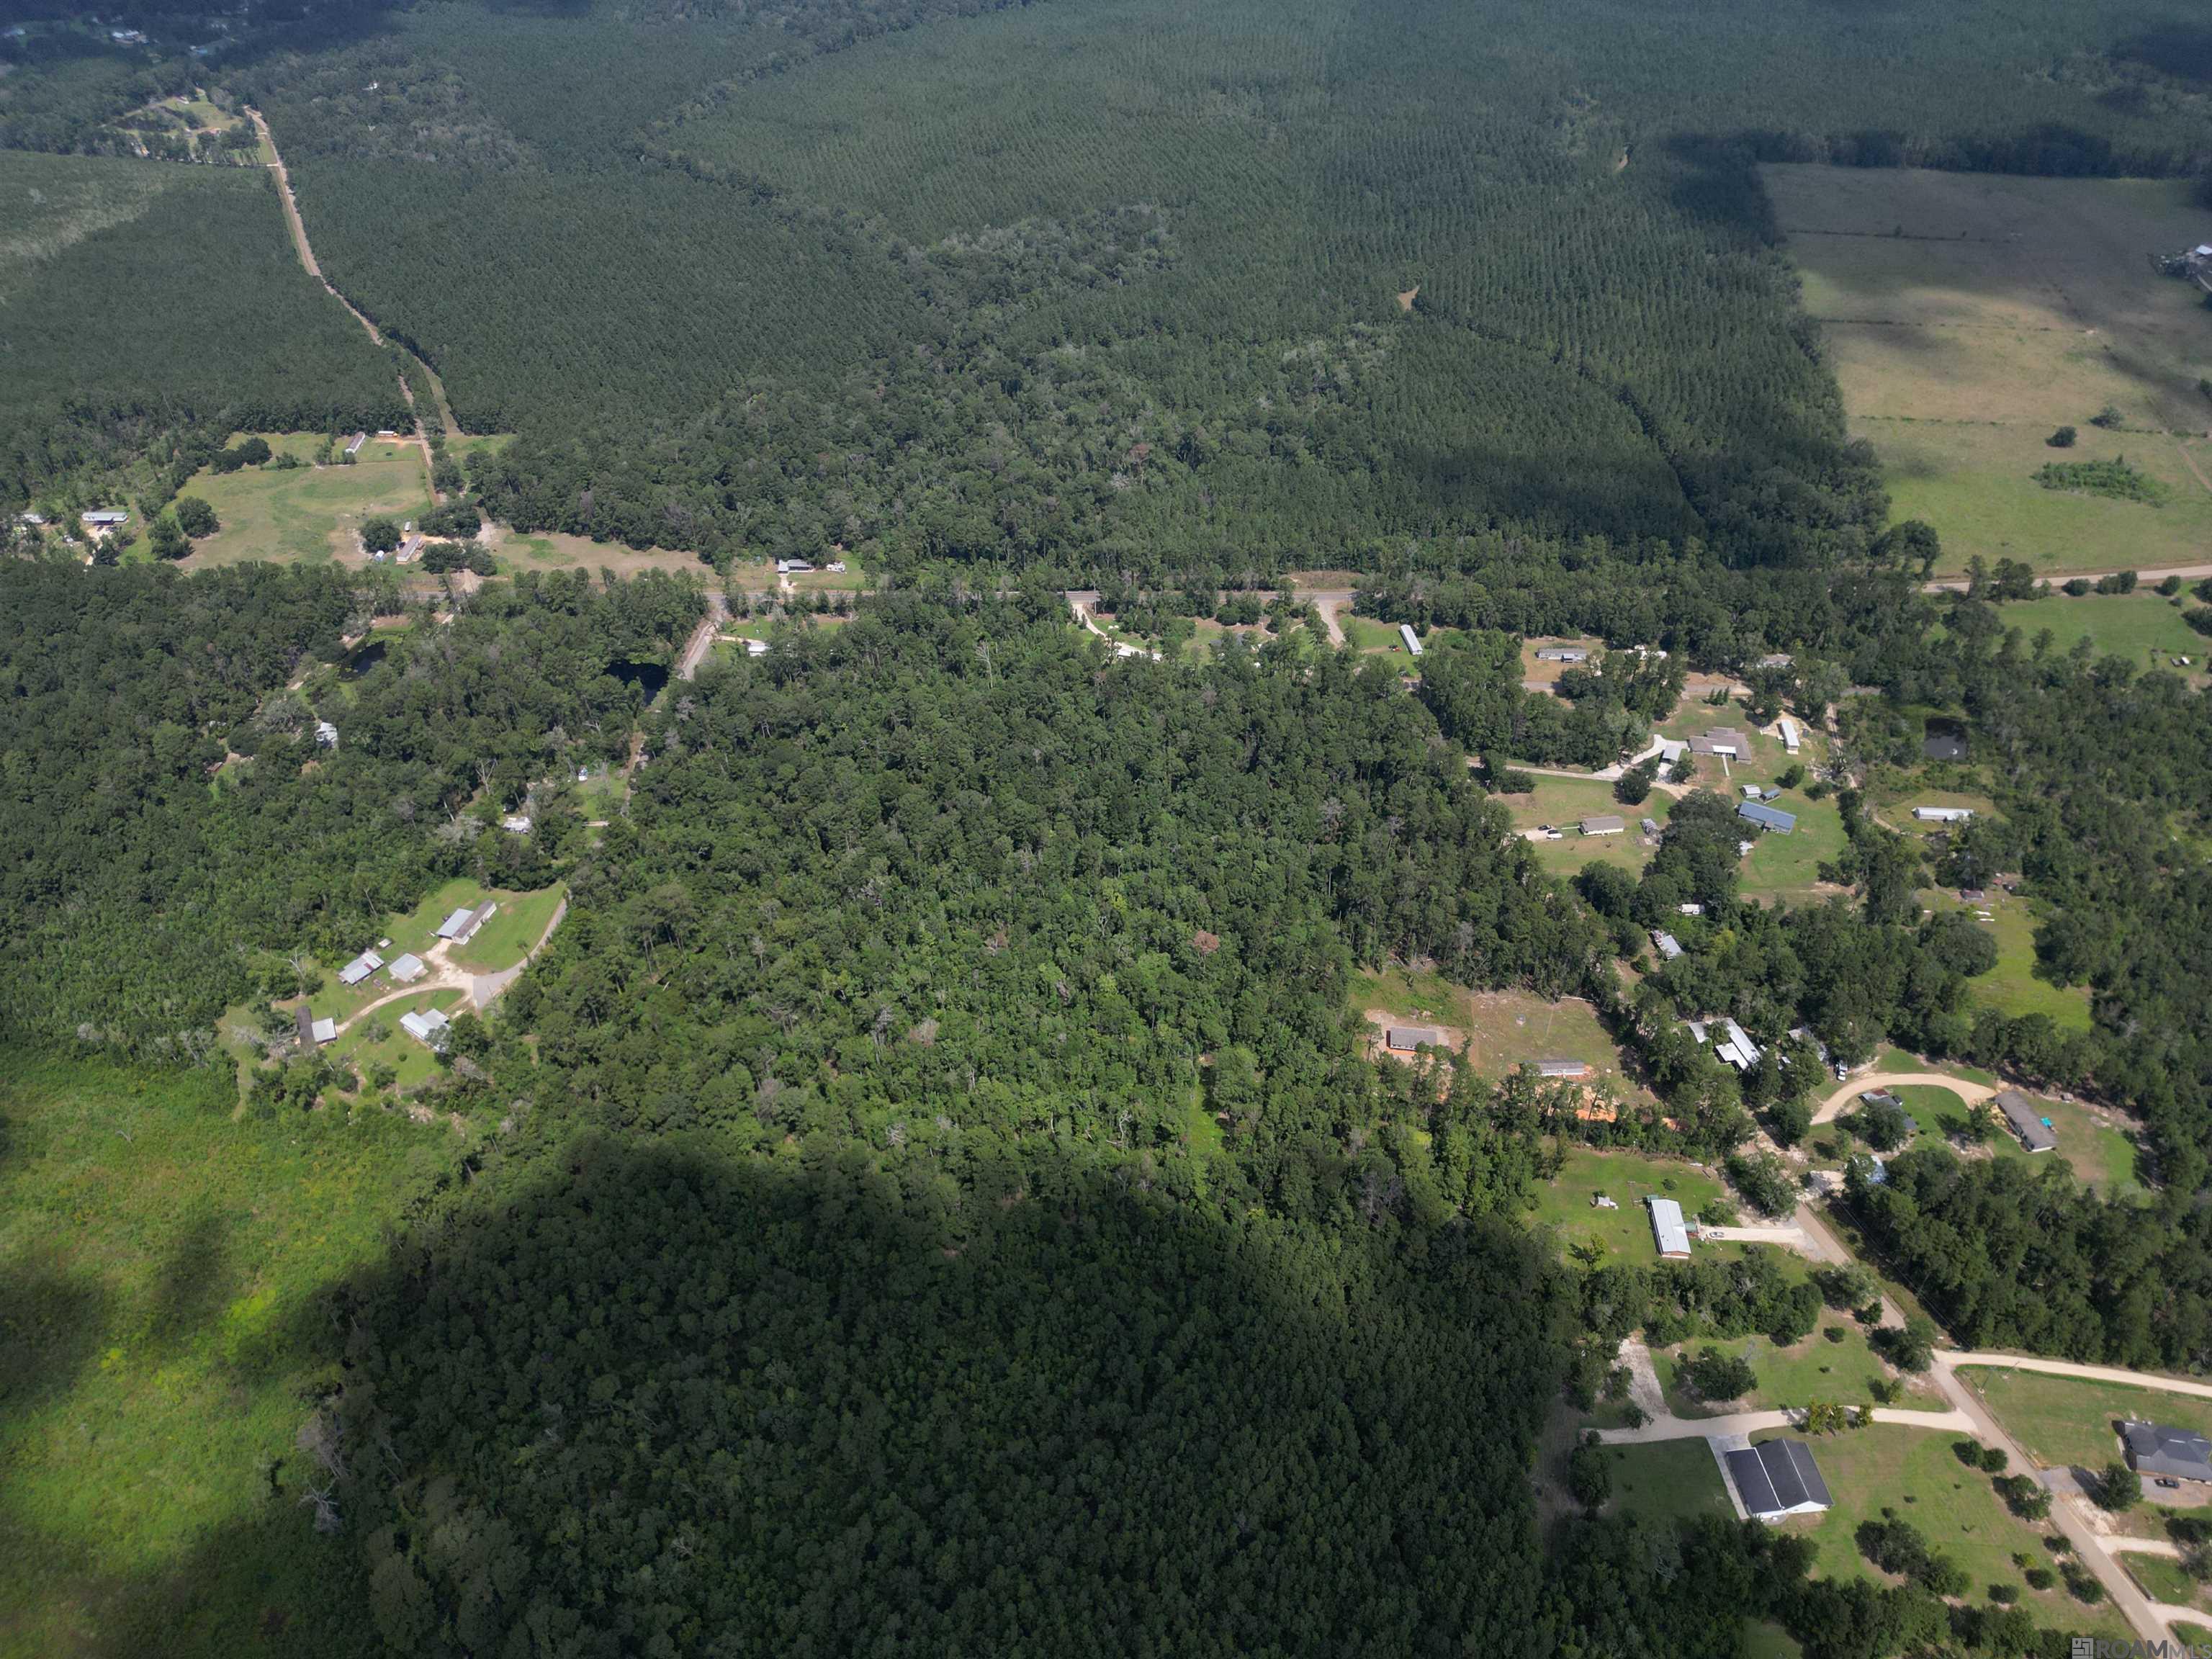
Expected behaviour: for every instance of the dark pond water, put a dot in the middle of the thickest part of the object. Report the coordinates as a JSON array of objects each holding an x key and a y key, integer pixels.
[
  {"x": 1943, "y": 738},
  {"x": 365, "y": 658},
  {"x": 647, "y": 677}
]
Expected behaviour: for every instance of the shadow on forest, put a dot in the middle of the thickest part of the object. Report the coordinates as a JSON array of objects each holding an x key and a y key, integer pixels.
[
  {"x": 828, "y": 1405},
  {"x": 2183, "y": 51}
]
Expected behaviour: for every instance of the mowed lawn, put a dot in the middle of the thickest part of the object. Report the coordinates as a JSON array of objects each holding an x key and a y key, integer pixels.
[
  {"x": 1564, "y": 803},
  {"x": 377, "y": 1040},
  {"x": 1815, "y": 1369},
  {"x": 1968, "y": 317},
  {"x": 2143, "y": 628},
  {"x": 2013, "y": 987},
  {"x": 1667, "y": 1480},
  {"x": 2165, "y": 1579},
  {"x": 514, "y": 928},
  {"x": 307, "y": 512},
  {"x": 1504, "y": 1029},
  {"x": 1915, "y": 1473},
  {"x": 2066, "y": 1421},
  {"x": 1565, "y": 1202},
  {"x": 1975, "y": 484},
  {"x": 160, "y": 1260}
]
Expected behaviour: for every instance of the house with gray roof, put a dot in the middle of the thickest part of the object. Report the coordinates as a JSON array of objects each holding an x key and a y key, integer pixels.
[
  {"x": 1776, "y": 1479},
  {"x": 2027, "y": 1121},
  {"x": 1767, "y": 818},
  {"x": 1405, "y": 1039},
  {"x": 2159, "y": 1448},
  {"x": 1605, "y": 824},
  {"x": 1668, "y": 1230}
]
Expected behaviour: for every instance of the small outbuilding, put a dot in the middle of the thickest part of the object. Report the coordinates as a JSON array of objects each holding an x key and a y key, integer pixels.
[
  {"x": 360, "y": 967},
  {"x": 1777, "y": 1479},
  {"x": 2159, "y": 1448},
  {"x": 325, "y": 1030}
]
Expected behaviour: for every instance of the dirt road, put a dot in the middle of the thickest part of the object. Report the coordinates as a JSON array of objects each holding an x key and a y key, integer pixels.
[
  {"x": 703, "y": 636},
  {"x": 2188, "y": 572},
  {"x": 1969, "y": 1092},
  {"x": 307, "y": 252}
]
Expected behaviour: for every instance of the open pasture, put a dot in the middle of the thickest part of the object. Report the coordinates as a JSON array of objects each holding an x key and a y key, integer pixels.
[{"x": 1968, "y": 316}]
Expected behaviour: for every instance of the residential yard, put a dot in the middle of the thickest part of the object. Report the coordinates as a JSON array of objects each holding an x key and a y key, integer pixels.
[
  {"x": 1366, "y": 634},
  {"x": 1788, "y": 866},
  {"x": 1628, "y": 1178},
  {"x": 378, "y": 1041},
  {"x": 1667, "y": 1480},
  {"x": 1549, "y": 673},
  {"x": 306, "y": 513},
  {"x": 160, "y": 1263},
  {"x": 2165, "y": 1579},
  {"x": 1506, "y": 1028},
  {"x": 1915, "y": 1473},
  {"x": 514, "y": 928},
  {"x": 2066, "y": 1422},
  {"x": 1564, "y": 803},
  {"x": 1815, "y": 1369},
  {"x": 1957, "y": 357}
]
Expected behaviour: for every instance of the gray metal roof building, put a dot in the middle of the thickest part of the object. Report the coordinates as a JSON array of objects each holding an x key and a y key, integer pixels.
[
  {"x": 2159, "y": 1448},
  {"x": 1767, "y": 817},
  {"x": 1407, "y": 1038},
  {"x": 1777, "y": 1478},
  {"x": 1605, "y": 824},
  {"x": 1668, "y": 1229},
  {"x": 2027, "y": 1121}
]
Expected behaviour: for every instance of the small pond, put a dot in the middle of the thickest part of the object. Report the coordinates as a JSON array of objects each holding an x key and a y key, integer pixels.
[
  {"x": 647, "y": 677},
  {"x": 364, "y": 660},
  {"x": 1943, "y": 738}
]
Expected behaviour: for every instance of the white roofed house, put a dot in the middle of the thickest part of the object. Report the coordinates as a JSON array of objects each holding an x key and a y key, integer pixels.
[
  {"x": 1733, "y": 1044},
  {"x": 1666, "y": 944},
  {"x": 461, "y": 927},
  {"x": 427, "y": 1027},
  {"x": 406, "y": 970},
  {"x": 1412, "y": 640},
  {"x": 1668, "y": 1230},
  {"x": 1942, "y": 814},
  {"x": 1788, "y": 728}
]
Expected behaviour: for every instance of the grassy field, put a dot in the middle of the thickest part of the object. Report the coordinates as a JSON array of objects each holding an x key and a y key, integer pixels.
[
  {"x": 2141, "y": 626},
  {"x": 2012, "y": 987},
  {"x": 1815, "y": 1369},
  {"x": 1366, "y": 634},
  {"x": 1914, "y": 1473},
  {"x": 158, "y": 1263},
  {"x": 1968, "y": 316},
  {"x": 1506, "y": 1028},
  {"x": 1786, "y": 866},
  {"x": 514, "y": 928},
  {"x": 307, "y": 513},
  {"x": 1668, "y": 1480},
  {"x": 1628, "y": 1178},
  {"x": 2065, "y": 1421},
  {"x": 551, "y": 549},
  {"x": 2163, "y": 1579}
]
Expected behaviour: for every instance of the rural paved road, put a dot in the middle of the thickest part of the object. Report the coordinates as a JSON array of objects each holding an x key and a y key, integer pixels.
[
  {"x": 1969, "y": 1092},
  {"x": 1953, "y": 1359},
  {"x": 2147, "y": 578},
  {"x": 2147, "y": 1618}
]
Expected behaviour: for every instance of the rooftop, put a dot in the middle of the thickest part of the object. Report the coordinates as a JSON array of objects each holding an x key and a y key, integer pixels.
[{"x": 1777, "y": 1478}]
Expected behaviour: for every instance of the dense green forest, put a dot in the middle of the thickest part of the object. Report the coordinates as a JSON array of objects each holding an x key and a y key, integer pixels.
[
  {"x": 138, "y": 300},
  {"x": 1162, "y": 328},
  {"x": 170, "y": 813}
]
